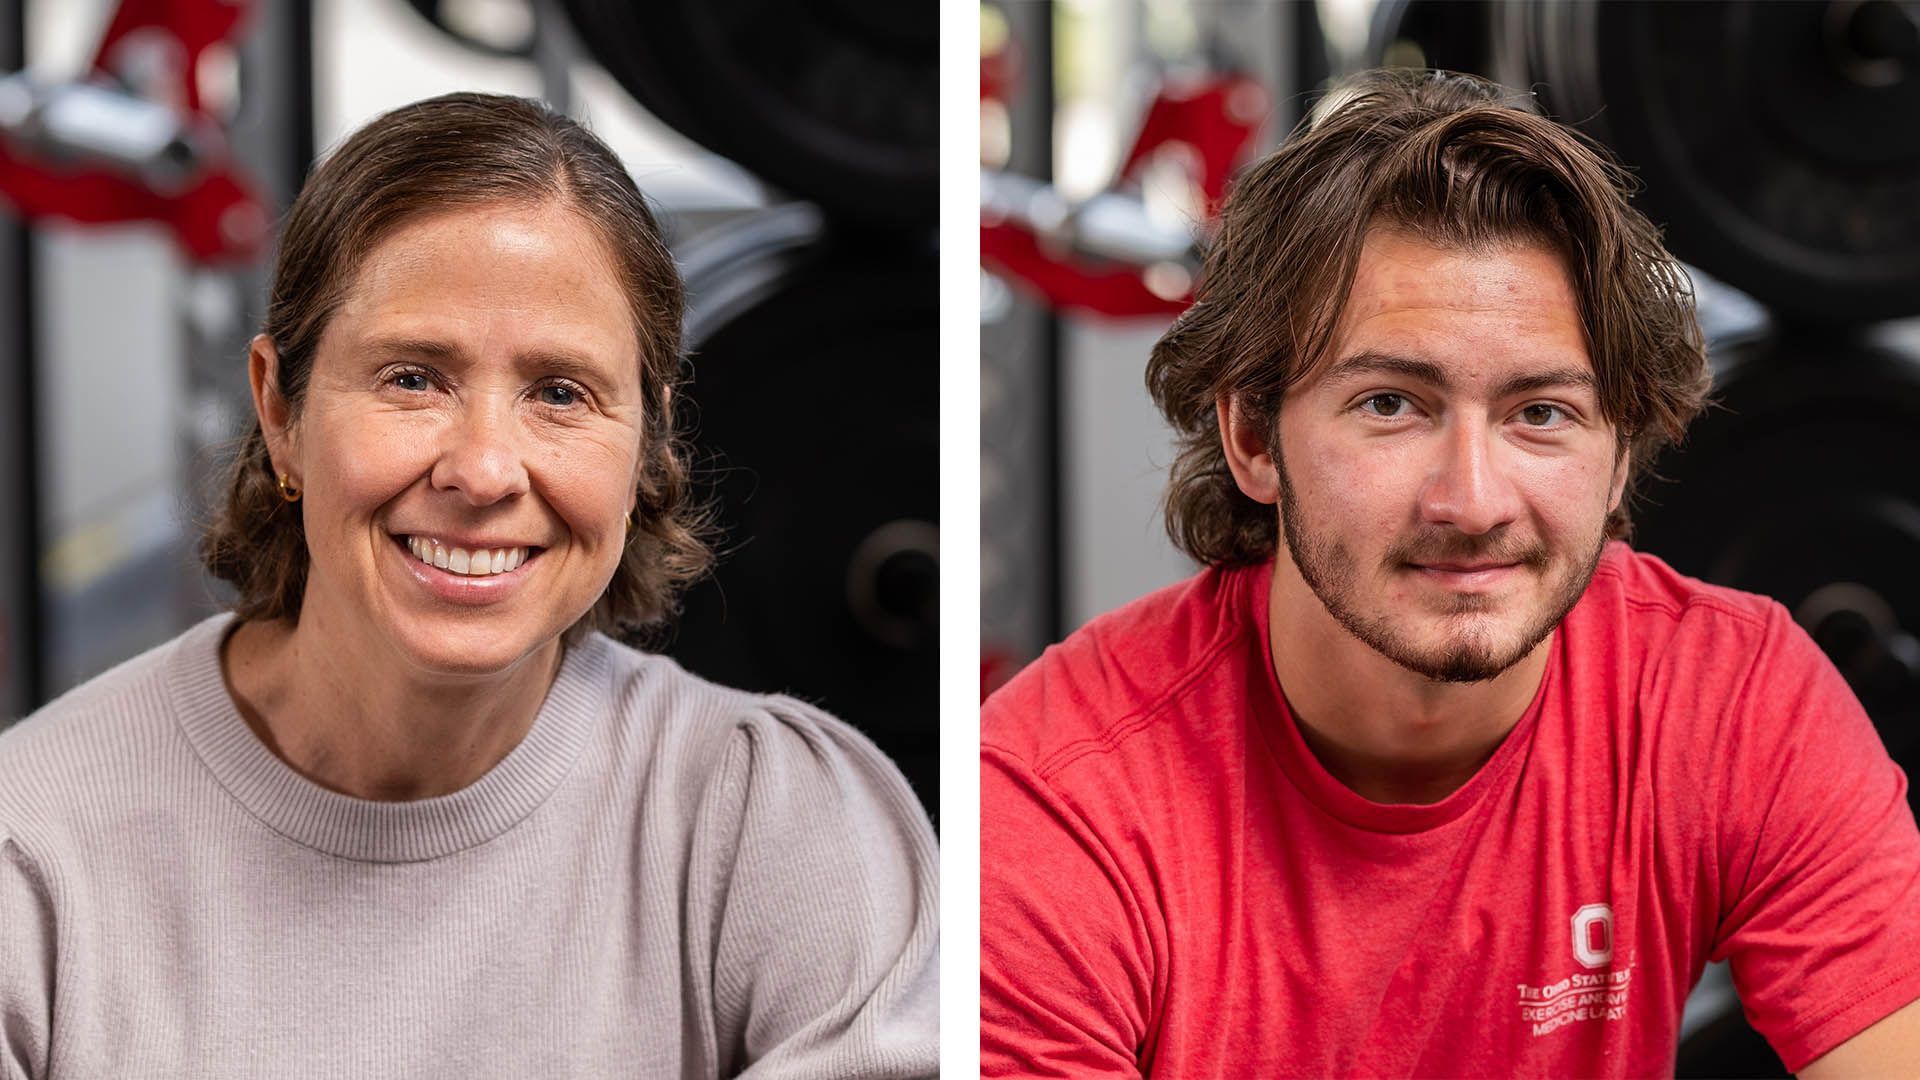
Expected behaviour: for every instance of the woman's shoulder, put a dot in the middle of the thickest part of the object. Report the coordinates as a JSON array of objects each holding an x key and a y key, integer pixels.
[
  {"x": 104, "y": 731},
  {"x": 100, "y": 711},
  {"x": 721, "y": 730},
  {"x": 654, "y": 691}
]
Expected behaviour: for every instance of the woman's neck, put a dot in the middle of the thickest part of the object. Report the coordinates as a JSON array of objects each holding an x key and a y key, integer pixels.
[{"x": 326, "y": 704}]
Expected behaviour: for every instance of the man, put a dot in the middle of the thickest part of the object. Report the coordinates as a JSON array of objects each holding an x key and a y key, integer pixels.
[{"x": 1427, "y": 773}]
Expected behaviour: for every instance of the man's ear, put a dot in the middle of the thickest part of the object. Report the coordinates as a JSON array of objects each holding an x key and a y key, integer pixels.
[
  {"x": 1245, "y": 441},
  {"x": 276, "y": 418},
  {"x": 1622, "y": 467}
]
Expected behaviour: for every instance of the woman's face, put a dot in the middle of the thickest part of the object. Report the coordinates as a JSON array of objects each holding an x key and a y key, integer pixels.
[{"x": 469, "y": 444}]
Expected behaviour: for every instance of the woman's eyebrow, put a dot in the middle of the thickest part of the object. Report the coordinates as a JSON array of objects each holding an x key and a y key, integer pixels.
[
  {"x": 405, "y": 348},
  {"x": 546, "y": 361},
  {"x": 563, "y": 362}
]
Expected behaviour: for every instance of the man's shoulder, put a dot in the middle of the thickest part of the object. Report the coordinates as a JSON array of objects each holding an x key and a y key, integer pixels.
[
  {"x": 1124, "y": 669},
  {"x": 1680, "y": 639},
  {"x": 1638, "y": 604},
  {"x": 1646, "y": 585}
]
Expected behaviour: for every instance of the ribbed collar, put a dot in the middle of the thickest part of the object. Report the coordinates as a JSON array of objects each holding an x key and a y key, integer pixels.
[
  {"x": 1281, "y": 733},
  {"x": 363, "y": 829}
]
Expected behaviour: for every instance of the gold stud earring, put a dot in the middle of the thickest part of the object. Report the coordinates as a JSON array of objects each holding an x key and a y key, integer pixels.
[
  {"x": 288, "y": 490},
  {"x": 629, "y": 523}
]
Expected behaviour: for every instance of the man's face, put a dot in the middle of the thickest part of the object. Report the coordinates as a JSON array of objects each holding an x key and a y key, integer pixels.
[{"x": 1445, "y": 475}]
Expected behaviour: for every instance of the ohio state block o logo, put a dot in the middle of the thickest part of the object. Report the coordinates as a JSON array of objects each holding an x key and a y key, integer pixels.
[{"x": 1593, "y": 935}]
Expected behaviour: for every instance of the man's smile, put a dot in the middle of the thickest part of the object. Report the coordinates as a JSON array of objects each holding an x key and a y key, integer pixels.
[{"x": 1465, "y": 575}]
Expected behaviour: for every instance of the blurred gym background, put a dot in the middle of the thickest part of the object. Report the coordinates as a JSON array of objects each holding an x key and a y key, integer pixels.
[
  {"x": 147, "y": 148},
  {"x": 1778, "y": 143}
]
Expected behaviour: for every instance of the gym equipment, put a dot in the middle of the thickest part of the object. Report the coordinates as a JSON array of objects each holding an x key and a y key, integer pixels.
[
  {"x": 1776, "y": 141},
  {"x": 835, "y": 101},
  {"x": 1775, "y": 492},
  {"x": 130, "y": 140},
  {"x": 1450, "y": 35},
  {"x": 1779, "y": 143},
  {"x": 516, "y": 42},
  {"x": 817, "y": 428},
  {"x": 1106, "y": 254}
]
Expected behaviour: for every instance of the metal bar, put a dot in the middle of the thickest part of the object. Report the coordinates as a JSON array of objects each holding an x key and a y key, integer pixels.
[
  {"x": 1031, "y": 154},
  {"x": 22, "y": 613}
]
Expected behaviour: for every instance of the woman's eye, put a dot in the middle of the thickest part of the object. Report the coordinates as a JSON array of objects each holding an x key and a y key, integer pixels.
[
  {"x": 1542, "y": 415},
  {"x": 411, "y": 380},
  {"x": 560, "y": 396},
  {"x": 1385, "y": 404}
]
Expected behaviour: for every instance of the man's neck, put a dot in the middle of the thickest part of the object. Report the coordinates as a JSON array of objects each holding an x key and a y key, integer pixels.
[
  {"x": 1389, "y": 734},
  {"x": 370, "y": 728}
]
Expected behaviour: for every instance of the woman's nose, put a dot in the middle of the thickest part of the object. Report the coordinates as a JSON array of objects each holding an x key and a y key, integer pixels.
[{"x": 481, "y": 455}]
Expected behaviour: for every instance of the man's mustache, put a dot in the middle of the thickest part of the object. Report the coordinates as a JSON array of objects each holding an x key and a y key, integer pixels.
[{"x": 1458, "y": 548}]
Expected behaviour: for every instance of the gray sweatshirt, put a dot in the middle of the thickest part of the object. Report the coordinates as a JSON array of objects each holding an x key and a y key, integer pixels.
[{"x": 665, "y": 878}]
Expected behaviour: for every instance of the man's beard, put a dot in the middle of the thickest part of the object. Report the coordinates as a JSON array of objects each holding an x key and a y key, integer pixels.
[{"x": 1470, "y": 655}]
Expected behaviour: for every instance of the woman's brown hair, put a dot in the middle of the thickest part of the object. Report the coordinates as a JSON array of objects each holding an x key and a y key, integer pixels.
[
  {"x": 446, "y": 153},
  {"x": 1459, "y": 162}
]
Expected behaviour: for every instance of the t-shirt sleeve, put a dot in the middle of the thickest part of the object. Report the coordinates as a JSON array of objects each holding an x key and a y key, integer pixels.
[
  {"x": 26, "y": 965},
  {"x": 825, "y": 930},
  {"x": 1819, "y": 856},
  {"x": 1065, "y": 953}
]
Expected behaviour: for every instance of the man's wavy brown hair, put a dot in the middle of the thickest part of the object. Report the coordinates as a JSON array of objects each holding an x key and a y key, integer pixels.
[
  {"x": 447, "y": 153},
  {"x": 1458, "y": 162}
]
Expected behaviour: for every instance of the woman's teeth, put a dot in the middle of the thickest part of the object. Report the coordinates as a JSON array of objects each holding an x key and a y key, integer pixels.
[{"x": 476, "y": 563}]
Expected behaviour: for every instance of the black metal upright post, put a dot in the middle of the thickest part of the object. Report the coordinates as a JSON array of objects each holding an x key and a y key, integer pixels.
[
  {"x": 22, "y": 615},
  {"x": 1020, "y": 374},
  {"x": 1031, "y": 123},
  {"x": 272, "y": 138},
  {"x": 1041, "y": 136}
]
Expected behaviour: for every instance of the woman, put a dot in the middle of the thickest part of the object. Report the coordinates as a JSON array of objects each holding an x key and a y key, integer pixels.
[{"x": 405, "y": 812}]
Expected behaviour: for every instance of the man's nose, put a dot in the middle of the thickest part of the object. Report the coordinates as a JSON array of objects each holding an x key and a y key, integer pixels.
[
  {"x": 481, "y": 453},
  {"x": 1469, "y": 487}
]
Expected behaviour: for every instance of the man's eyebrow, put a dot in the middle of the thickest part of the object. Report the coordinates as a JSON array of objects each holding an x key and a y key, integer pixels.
[
  {"x": 1546, "y": 380},
  {"x": 1370, "y": 362}
]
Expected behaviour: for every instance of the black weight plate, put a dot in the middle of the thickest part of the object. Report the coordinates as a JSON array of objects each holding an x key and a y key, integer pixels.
[
  {"x": 835, "y": 100},
  {"x": 1452, "y": 35},
  {"x": 1793, "y": 488},
  {"x": 1767, "y": 160},
  {"x": 816, "y": 393},
  {"x": 1802, "y": 483},
  {"x": 1728, "y": 1047},
  {"x": 434, "y": 11}
]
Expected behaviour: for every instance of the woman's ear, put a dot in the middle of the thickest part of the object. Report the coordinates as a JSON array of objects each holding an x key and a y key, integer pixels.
[
  {"x": 276, "y": 418},
  {"x": 1246, "y": 443}
]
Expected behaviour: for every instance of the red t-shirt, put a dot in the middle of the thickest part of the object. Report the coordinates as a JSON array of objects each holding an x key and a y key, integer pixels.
[{"x": 1172, "y": 883}]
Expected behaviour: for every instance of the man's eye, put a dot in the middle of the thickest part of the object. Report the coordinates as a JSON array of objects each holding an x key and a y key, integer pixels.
[
  {"x": 560, "y": 396},
  {"x": 1542, "y": 415},
  {"x": 1385, "y": 404},
  {"x": 411, "y": 380}
]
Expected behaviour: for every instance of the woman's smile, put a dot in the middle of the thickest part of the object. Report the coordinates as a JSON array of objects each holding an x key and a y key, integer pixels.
[
  {"x": 478, "y": 560},
  {"x": 453, "y": 573}
]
